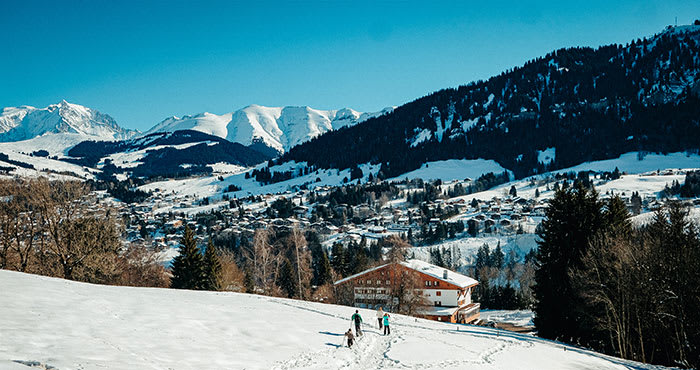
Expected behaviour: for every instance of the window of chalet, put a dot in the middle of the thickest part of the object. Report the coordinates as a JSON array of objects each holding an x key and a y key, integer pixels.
[
  {"x": 387, "y": 282},
  {"x": 438, "y": 293},
  {"x": 379, "y": 282}
]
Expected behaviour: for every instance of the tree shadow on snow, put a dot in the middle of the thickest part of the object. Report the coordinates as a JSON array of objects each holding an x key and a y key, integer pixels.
[{"x": 333, "y": 345}]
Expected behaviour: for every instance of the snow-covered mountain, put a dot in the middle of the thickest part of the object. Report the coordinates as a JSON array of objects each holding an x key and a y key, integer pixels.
[
  {"x": 279, "y": 128},
  {"x": 25, "y": 122}
]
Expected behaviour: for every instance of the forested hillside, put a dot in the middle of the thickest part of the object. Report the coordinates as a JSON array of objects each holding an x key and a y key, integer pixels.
[{"x": 580, "y": 103}]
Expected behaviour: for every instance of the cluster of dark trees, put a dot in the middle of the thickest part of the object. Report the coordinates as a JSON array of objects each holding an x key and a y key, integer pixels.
[
  {"x": 448, "y": 258},
  {"x": 355, "y": 257},
  {"x": 603, "y": 283},
  {"x": 126, "y": 191},
  {"x": 265, "y": 176},
  {"x": 39, "y": 153},
  {"x": 505, "y": 282},
  {"x": 636, "y": 96},
  {"x": 689, "y": 189},
  {"x": 441, "y": 231},
  {"x": 282, "y": 207},
  {"x": 354, "y": 195},
  {"x": 5, "y": 158},
  {"x": 193, "y": 270}
]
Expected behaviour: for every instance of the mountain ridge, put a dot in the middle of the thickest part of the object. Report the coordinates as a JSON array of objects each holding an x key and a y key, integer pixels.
[
  {"x": 279, "y": 128},
  {"x": 582, "y": 104}
]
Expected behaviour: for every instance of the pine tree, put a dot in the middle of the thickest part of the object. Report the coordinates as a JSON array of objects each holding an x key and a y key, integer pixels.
[
  {"x": 188, "y": 266},
  {"x": 212, "y": 267},
  {"x": 338, "y": 261},
  {"x": 320, "y": 263},
  {"x": 573, "y": 217},
  {"x": 324, "y": 272},
  {"x": 286, "y": 279},
  {"x": 497, "y": 257},
  {"x": 617, "y": 217},
  {"x": 248, "y": 281}
]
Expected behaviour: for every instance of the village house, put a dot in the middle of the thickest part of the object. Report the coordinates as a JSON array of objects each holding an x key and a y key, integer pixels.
[{"x": 447, "y": 294}]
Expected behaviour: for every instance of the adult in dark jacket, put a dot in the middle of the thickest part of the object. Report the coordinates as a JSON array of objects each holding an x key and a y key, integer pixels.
[{"x": 357, "y": 319}]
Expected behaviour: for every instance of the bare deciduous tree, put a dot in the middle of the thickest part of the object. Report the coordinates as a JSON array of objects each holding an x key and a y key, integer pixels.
[
  {"x": 232, "y": 278},
  {"x": 263, "y": 262}
]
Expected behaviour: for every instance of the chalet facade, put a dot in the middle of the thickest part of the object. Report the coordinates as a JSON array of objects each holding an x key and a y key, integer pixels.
[{"x": 446, "y": 295}]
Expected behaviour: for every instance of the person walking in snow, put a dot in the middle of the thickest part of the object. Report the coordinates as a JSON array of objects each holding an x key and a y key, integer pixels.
[
  {"x": 387, "y": 331},
  {"x": 380, "y": 317},
  {"x": 350, "y": 337},
  {"x": 357, "y": 319}
]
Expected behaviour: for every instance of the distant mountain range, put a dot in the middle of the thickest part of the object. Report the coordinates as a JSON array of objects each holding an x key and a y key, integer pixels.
[
  {"x": 175, "y": 147},
  {"x": 568, "y": 107},
  {"x": 278, "y": 128},
  {"x": 272, "y": 130}
]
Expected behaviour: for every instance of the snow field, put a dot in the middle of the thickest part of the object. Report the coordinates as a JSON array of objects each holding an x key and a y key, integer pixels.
[{"x": 69, "y": 325}]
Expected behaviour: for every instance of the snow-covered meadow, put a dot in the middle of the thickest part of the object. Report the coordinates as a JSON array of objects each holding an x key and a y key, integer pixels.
[{"x": 54, "y": 323}]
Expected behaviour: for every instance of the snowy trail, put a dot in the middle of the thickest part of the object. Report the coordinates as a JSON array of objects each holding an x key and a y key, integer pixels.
[{"x": 57, "y": 324}]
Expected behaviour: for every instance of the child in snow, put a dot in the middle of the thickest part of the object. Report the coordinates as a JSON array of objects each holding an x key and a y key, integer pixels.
[
  {"x": 357, "y": 319},
  {"x": 380, "y": 317},
  {"x": 387, "y": 331},
  {"x": 350, "y": 337}
]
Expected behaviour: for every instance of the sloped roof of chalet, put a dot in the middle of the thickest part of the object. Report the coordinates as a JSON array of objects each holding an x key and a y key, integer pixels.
[{"x": 429, "y": 269}]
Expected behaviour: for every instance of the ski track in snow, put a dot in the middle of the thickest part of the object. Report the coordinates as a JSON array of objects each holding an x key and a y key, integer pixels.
[{"x": 372, "y": 350}]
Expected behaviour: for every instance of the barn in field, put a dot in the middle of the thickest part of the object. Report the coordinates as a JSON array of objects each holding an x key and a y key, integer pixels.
[{"x": 444, "y": 295}]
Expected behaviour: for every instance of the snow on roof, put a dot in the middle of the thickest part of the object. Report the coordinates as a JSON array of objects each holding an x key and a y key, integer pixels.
[
  {"x": 437, "y": 272},
  {"x": 359, "y": 273}
]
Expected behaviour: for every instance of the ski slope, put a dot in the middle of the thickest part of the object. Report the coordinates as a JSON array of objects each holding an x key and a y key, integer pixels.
[{"x": 54, "y": 323}]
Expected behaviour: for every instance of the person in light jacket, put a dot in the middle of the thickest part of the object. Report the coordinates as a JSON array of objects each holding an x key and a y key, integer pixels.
[{"x": 380, "y": 317}]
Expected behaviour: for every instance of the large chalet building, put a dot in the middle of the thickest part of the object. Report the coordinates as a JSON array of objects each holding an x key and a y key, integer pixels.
[{"x": 447, "y": 295}]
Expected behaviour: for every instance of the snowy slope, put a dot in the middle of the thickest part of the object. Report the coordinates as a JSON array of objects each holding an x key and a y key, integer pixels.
[
  {"x": 23, "y": 123},
  {"x": 453, "y": 169},
  {"x": 68, "y": 325},
  {"x": 279, "y": 128},
  {"x": 445, "y": 170},
  {"x": 56, "y": 144}
]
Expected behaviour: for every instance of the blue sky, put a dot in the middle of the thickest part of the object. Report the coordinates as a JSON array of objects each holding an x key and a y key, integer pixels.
[{"x": 141, "y": 61}]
